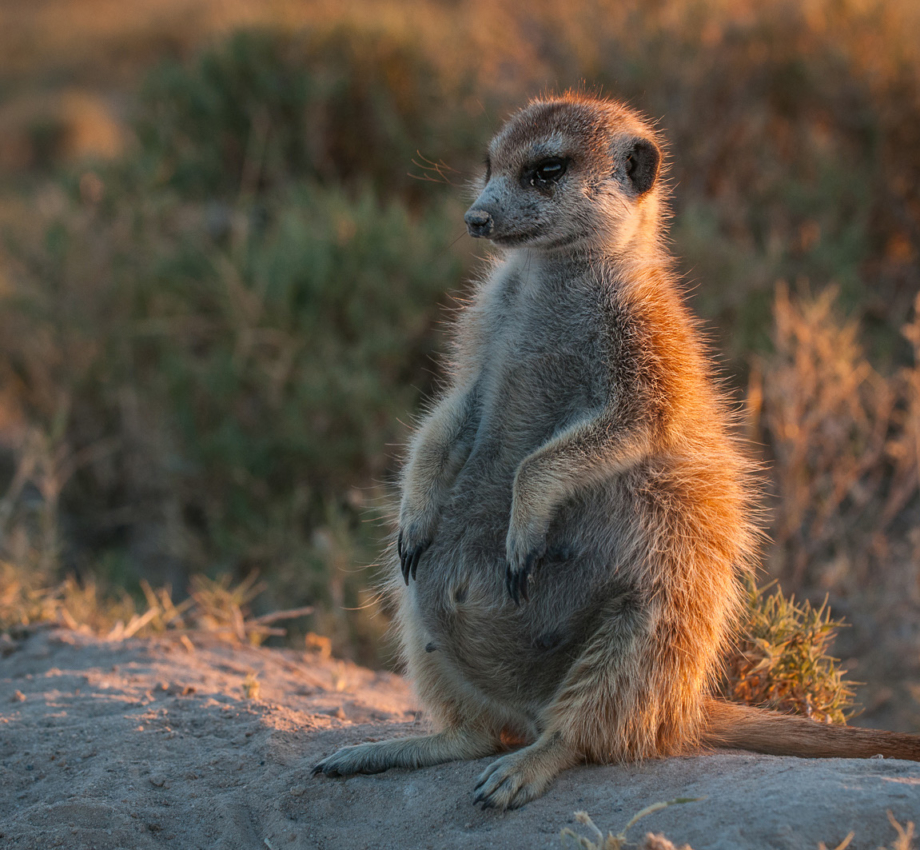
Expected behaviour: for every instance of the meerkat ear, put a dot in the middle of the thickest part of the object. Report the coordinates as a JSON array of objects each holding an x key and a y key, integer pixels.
[{"x": 643, "y": 161}]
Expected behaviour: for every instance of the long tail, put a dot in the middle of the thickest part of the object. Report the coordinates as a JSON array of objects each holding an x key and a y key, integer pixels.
[{"x": 761, "y": 731}]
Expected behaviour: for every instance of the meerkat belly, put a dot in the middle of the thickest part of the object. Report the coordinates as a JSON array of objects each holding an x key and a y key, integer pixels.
[{"x": 518, "y": 655}]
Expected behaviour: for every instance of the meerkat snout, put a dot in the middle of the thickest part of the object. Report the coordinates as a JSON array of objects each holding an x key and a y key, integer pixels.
[{"x": 478, "y": 222}]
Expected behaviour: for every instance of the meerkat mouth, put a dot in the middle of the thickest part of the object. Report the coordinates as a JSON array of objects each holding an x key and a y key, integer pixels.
[{"x": 512, "y": 239}]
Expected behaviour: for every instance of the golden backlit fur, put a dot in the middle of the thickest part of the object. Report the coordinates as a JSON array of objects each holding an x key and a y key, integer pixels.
[{"x": 576, "y": 511}]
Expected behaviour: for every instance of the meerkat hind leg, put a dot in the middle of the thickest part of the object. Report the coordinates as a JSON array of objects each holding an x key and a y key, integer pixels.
[
  {"x": 420, "y": 751},
  {"x": 524, "y": 775}
]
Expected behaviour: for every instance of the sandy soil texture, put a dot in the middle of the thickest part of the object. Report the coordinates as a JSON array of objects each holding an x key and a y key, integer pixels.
[{"x": 160, "y": 743}]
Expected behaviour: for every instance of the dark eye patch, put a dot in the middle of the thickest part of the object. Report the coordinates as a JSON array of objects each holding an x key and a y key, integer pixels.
[{"x": 545, "y": 173}]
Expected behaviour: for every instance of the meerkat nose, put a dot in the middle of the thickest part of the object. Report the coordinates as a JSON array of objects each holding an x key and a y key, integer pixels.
[{"x": 478, "y": 222}]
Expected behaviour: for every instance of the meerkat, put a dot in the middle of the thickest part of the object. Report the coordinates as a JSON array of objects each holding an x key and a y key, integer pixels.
[{"x": 576, "y": 513}]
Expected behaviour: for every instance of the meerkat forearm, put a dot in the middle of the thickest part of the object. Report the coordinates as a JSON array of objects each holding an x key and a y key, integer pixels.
[
  {"x": 439, "y": 450},
  {"x": 584, "y": 455},
  {"x": 436, "y": 455}
]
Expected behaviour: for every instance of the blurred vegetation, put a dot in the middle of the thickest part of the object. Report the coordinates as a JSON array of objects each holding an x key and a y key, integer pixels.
[
  {"x": 215, "y": 606},
  {"x": 269, "y": 107},
  {"x": 227, "y": 257}
]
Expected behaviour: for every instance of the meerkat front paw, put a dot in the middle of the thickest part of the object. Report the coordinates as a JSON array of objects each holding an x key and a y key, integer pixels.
[
  {"x": 410, "y": 545},
  {"x": 524, "y": 551},
  {"x": 416, "y": 533}
]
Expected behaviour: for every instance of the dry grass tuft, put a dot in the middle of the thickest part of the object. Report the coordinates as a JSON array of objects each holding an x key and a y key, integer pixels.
[
  {"x": 653, "y": 841},
  {"x": 783, "y": 662},
  {"x": 902, "y": 842},
  {"x": 251, "y": 686},
  {"x": 598, "y": 841}
]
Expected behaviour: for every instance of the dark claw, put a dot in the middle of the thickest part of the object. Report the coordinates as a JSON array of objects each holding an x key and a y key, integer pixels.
[
  {"x": 511, "y": 585},
  {"x": 317, "y": 769},
  {"x": 407, "y": 567},
  {"x": 416, "y": 558},
  {"x": 485, "y": 801},
  {"x": 409, "y": 561},
  {"x": 524, "y": 578},
  {"x": 404, "y": 563},
  {"x": 518, "y": 583}
]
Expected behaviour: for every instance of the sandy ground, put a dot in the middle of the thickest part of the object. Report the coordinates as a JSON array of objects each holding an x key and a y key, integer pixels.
[{"x": 155, "y": 743}]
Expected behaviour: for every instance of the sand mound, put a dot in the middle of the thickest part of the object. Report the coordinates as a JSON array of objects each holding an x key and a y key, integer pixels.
[{"x": 158, "y": 743}]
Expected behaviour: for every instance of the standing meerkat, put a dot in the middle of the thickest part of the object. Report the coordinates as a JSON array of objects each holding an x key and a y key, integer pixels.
[{"x": 576, "y": 511}]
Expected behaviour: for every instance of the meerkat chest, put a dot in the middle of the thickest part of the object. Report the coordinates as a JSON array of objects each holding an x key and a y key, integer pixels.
[
  {"x": 543, "y": 363},
  {"x": 534, "y": 313}
]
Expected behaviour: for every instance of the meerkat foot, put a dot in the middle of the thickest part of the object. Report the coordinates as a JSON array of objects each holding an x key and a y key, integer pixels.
[
  {"x": 421, "y": 751},
  {"x": 522, "y": 776}
]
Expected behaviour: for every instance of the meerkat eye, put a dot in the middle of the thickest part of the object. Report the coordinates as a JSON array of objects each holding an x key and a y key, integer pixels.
[{"x": 548, "y": 171}]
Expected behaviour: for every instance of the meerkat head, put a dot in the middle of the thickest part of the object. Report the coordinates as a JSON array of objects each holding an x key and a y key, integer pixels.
[{"x": 571, "y": 172}]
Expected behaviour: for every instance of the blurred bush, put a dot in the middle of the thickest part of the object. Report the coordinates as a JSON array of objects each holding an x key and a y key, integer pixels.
[
  {"x": 207, "y": 345},
  {"x": 340, "y": 106},
  {"x": 213, "y": 371},
  {"x": 845, "y": 441},
  {"x": 229, "y": 383}
]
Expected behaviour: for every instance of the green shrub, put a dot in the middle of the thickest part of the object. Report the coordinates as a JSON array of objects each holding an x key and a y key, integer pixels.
[
  {"x": 338, "y": 105},
  {"x": 216, "y": 400}
]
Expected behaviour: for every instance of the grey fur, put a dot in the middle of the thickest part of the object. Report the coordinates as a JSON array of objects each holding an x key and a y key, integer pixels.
[{"x": 548, "y": 549}]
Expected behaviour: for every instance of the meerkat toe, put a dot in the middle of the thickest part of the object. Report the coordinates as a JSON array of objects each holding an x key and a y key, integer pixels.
[
  {"x": 511, "y": 584},
  {"x": 518, "y": 580},
  {"x": 404, "y": 565},
  {"x": 419, "y": 551}
]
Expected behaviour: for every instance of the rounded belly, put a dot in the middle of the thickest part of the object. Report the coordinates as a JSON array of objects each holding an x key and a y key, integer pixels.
[{"x": 517, "y": 655}]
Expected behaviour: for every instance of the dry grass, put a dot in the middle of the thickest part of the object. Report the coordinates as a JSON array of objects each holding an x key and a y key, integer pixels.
[
  {"x": 213, "y": 606},
  {"x": 652, "y": 841},
  {"x": 598, "y": 841},
  {"x": 904, "y": 840},
  {"x": 783, "y": 662},
  {"x": 844, "y": 438}
]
